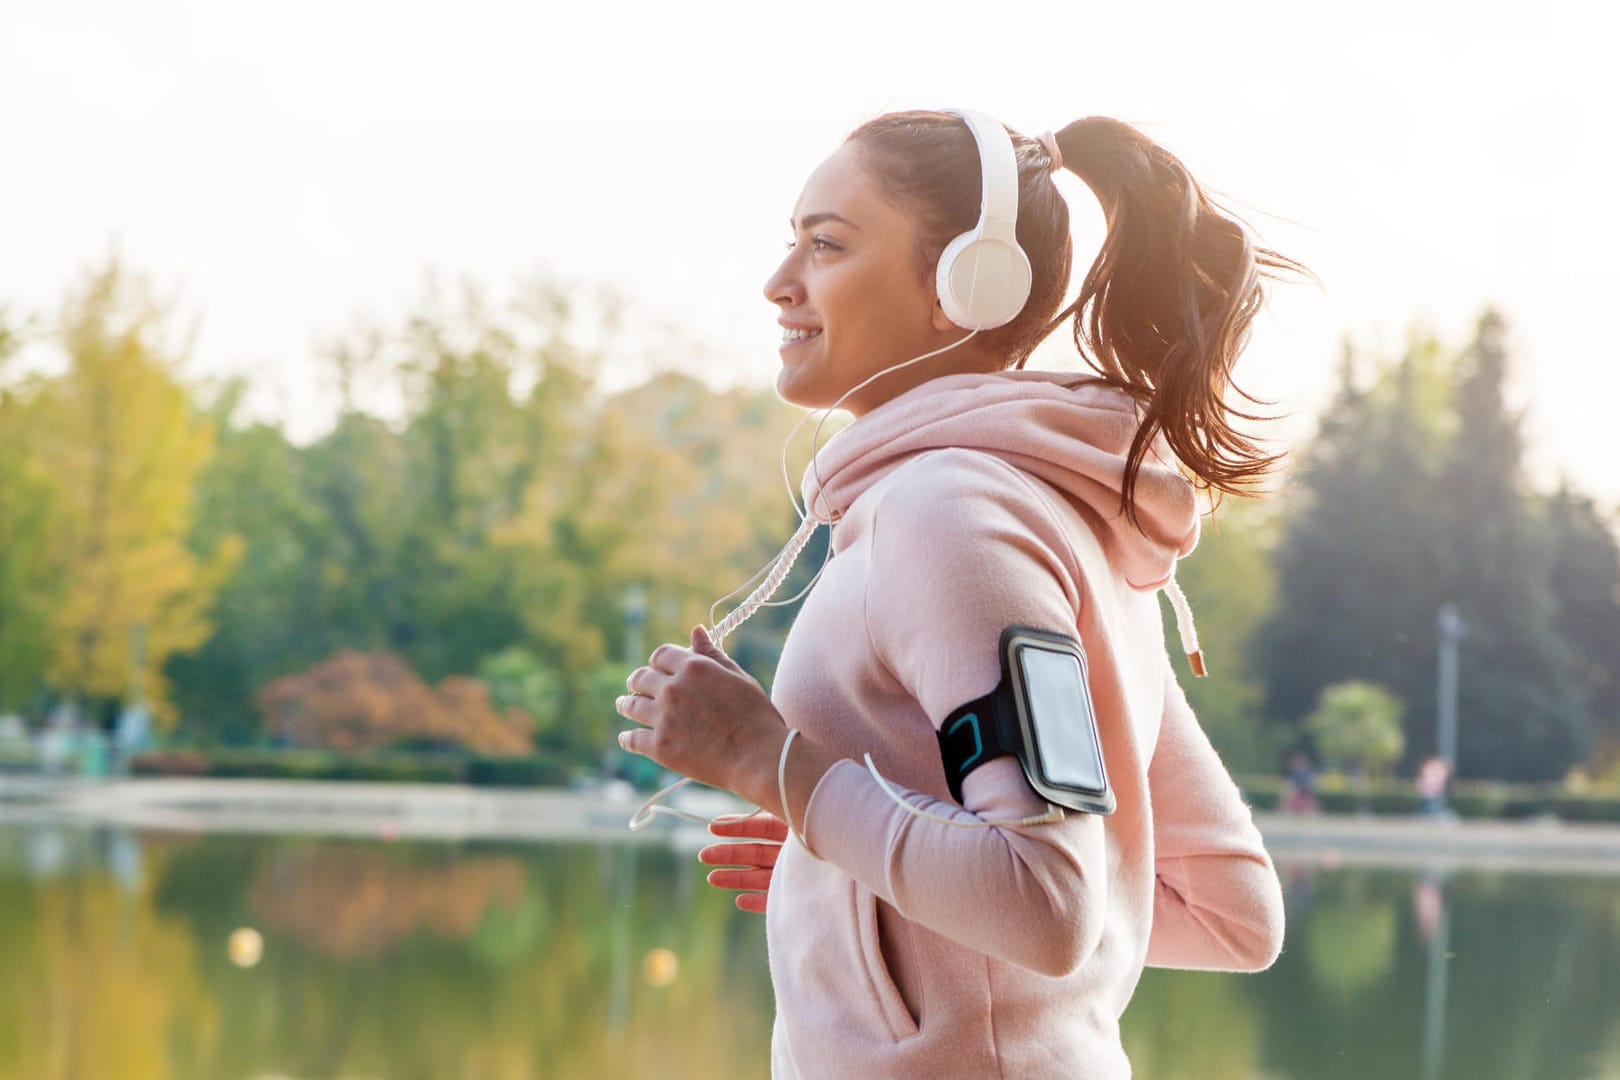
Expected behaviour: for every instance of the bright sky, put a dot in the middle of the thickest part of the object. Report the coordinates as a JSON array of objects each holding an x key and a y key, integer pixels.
[{"x": 289, "y": 168}]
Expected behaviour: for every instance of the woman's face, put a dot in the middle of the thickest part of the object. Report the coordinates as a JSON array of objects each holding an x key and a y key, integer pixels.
[{"x": 850, "y": 281}]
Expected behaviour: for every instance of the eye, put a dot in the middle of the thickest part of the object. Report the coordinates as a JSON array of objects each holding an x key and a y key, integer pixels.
[{"x": 815, "y": 242}]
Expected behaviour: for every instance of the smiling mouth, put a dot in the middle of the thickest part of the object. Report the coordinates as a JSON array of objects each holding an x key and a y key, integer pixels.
[{"x": 788, "y": 343}]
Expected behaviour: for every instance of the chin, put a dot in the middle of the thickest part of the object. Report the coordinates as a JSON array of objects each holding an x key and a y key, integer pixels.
[{"x": 793, "y": 391}]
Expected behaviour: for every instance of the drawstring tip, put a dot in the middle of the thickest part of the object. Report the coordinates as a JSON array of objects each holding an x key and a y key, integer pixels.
[{"x": 1184, "y": 626}]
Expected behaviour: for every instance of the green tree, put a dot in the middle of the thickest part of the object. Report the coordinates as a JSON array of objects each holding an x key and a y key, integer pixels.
[
  {"x": 517, "y": 679},
  {"x": 1412, "y": 497},
  {"x": 270, "y": 614},
  {"x": 1358, "y": 564},
  {"x": 1585, "y": 581},
  {"x": 1520, "y": 714},
  {"x": 30, "y": 585},
  {"x": 1358, "y": 725},
  {"x": 1231, "y": 588},
  {"x": 488, "y": 415}
]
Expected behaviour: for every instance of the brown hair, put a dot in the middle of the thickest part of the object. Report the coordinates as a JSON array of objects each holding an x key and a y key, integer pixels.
[{"x": 1165, "y": 308}]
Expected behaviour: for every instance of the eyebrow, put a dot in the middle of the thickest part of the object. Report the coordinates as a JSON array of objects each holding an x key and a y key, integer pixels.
[{"x": 812, "y": 220}]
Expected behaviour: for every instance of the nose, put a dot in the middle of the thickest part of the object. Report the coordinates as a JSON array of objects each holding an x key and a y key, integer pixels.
[{"x": 783, "y": 288}]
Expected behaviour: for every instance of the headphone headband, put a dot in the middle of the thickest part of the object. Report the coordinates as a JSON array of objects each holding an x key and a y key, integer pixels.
[{"x": 984, "y": 277}]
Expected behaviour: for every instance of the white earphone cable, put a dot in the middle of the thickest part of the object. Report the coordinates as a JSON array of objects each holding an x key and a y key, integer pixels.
[{"x": 779, "y": 568}]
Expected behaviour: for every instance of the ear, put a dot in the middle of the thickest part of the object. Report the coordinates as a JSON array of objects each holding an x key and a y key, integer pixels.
[{"x": 941, "y": 321}]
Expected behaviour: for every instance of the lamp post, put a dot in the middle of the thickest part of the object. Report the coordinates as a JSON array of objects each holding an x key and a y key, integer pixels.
[
  {"x": 1451, "y": 630},
  {"x": 635, "y": 623}
]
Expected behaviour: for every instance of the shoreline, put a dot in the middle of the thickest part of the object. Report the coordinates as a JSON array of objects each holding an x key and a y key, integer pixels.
[{"x": 459, "y": 812}]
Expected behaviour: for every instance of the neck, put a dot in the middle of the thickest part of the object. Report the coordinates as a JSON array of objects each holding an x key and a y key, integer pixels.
[{"x": 962, "y": 360}]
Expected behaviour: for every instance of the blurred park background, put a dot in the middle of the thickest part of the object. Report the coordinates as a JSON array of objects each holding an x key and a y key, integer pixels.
[
  {"x": 466, "y": 585},
  {"x": 380, "y": 384}
]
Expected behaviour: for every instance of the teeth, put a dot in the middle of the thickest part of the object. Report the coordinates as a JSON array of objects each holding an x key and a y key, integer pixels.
[{"x": 797, "y": 335}]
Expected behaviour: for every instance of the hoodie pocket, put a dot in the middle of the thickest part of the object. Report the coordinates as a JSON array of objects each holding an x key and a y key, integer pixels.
[{"x": 890, "y": 1005}]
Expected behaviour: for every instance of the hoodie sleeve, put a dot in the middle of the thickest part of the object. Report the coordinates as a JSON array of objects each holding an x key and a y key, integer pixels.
[
  {"x": 968, "y": 547},
  {"x": 1217, "y": 903}
]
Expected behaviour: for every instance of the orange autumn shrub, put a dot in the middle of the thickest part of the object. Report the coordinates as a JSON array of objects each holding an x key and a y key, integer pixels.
[{"x": 355, "y": 702}]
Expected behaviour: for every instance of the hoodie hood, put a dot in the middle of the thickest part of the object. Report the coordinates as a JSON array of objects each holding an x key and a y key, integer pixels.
[{"x": 1064, "y": 428}]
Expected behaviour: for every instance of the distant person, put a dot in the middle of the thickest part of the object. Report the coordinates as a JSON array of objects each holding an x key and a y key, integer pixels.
[
  {"x": 1432, "y": 778},
  {"x": 923, "y": 924},
  {"x": 1299, "y": 785}
]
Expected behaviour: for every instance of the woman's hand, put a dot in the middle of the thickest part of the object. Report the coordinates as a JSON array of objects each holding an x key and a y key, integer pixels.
[
  {"x": 757, "y": 861},
  {"x": 705, "y": 717}
]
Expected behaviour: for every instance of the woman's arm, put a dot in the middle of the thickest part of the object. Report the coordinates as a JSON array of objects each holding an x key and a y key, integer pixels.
[
  {"x": 1218, "y": 905},
  {"x": 961, "y": 549}
]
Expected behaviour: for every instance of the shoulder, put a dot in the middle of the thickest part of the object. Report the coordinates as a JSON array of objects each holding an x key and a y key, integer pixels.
[
  {"x": 959, "y": 505},
  {"x": 949, "y": 480}
]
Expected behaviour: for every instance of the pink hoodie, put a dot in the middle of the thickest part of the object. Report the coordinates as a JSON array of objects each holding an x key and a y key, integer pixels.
[{"x": 905, "y": 948}]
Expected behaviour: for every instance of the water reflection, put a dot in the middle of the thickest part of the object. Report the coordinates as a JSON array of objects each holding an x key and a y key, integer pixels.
[
  {"x": 376, "y": 960},
  {"x": 403, "y": 959},
  {"x": 351, "y": 902}
]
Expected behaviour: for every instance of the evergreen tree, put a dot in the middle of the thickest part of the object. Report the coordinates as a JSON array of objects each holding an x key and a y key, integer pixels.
[
  {"x": 1413, "y": 497},
  {"x": 1357, "y": 566},
  {"x": 1585, "y": 581},
  {"x": 1520, "y": 716}
]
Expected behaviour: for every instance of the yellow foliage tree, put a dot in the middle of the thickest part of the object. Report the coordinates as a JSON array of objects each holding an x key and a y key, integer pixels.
[{"x": 124, "y": 445}]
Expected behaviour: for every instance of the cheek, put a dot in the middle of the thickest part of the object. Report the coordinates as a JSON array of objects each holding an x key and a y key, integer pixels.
[
  {"x": 872, "y": 309},
  {"x": 855, "y": 304}
]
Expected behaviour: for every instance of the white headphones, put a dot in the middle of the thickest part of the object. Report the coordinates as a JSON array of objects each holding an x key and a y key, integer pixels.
[{"x": 983, "y": 276}]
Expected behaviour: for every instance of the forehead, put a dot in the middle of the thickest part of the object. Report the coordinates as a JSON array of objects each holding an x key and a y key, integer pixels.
[{"x": 841, "y": 185}]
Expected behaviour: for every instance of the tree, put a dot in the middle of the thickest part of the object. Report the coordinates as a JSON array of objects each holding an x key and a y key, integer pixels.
[
  {"x": 1231, "y": 587},
  {"x": 1585, "y": 581},
  {"x": 518, "y": 680},
  {"x": 1412, "y": 498},
  {"x": 1520, "y": 715},
  {"x": 1358, "y": 725},
  {"x": 120, "y": 439},
  {"x": 269, "y": 616},
  {"x": 1358, "y": 564},
  {"x": 29, "y": 581}
]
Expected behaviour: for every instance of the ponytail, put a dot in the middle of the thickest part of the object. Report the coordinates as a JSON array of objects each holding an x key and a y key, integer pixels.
[{"x": 1166, "y": 308}]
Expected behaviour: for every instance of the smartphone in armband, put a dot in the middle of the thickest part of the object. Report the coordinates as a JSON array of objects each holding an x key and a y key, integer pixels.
[{"x": 1041, "y": 713}]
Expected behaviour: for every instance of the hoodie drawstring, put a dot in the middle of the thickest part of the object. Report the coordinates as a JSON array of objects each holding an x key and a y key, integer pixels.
[{"x": 1185, "y": 627}]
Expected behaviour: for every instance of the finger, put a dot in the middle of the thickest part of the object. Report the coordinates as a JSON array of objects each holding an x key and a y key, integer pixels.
[
  {"x": 740, "y": 879},
  {"x": 667, "y": 658},
  {"x": 648, "y": 681},
  {"x": 752, "y": 901},
  {"x": 739, "y": 854},
  {"x": 703, "y": 644},
  {"x": 631, "y": 740},
  {"x": 762, "y": 826},
  {"x": 634, "y": 707}
]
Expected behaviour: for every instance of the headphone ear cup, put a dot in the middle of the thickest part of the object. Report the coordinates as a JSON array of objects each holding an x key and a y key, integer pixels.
[{"x": 982, "y": 282}]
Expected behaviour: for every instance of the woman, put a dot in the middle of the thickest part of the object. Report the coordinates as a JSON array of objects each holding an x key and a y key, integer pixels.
[{"x": 968, "y": 495}]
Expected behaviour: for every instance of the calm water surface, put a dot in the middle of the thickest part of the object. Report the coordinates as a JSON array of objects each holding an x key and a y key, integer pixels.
[{"x": 142, "y": 955}]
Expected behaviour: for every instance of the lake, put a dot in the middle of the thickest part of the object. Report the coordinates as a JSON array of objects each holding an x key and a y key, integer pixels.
[{"x": 130, "y": 955}]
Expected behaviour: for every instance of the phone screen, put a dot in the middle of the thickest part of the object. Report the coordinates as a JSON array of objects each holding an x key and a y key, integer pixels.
[{"x": 1060, "y": 714}]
